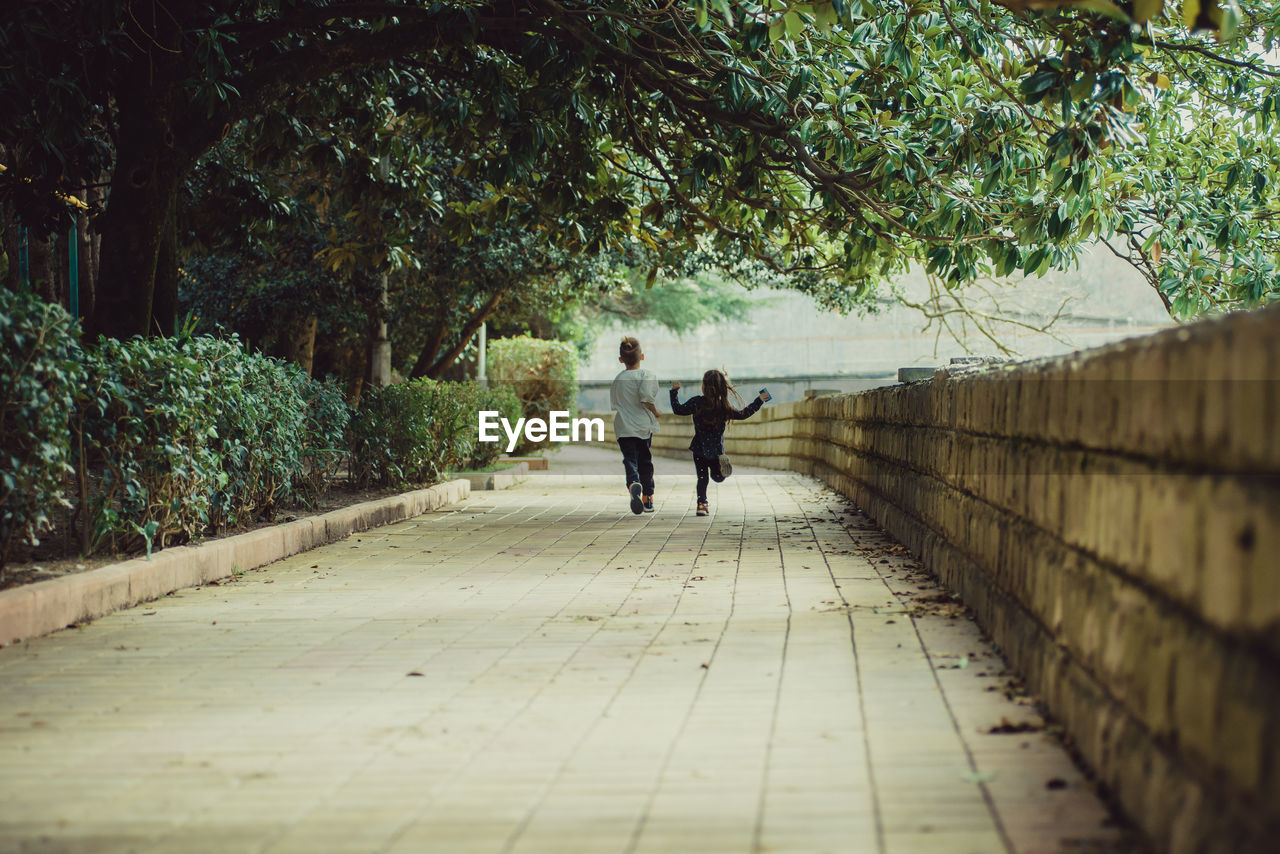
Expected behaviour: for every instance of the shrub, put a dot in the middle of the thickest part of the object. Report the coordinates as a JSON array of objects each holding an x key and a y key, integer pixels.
[
  {"x": 40, "y": 371},
  {"x": 191, "y": 434},
  {"x": 412, "y": 432},
  {"x": 324, "y": 428},
  {"x": 150, "y": 417},
  {"x": 493, "y": 397},
  {"x": 543, "y": 373},
  {"x": 259, "y": 424},
  {"x": 390, "y": 439}
]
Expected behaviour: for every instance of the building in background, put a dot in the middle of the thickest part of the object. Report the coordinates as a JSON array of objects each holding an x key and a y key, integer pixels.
[{"x": 791, "y": 345}]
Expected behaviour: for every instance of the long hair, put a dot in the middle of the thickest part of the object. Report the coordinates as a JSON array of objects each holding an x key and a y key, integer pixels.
[{"x": 716, "y": 389}]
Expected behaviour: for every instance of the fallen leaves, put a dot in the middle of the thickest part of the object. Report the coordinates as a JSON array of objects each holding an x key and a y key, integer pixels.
[{"x": 1008, "y": 727}]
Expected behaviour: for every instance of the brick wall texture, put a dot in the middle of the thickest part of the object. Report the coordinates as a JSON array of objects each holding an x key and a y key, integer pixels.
[{"x": 1113, "y": 520}]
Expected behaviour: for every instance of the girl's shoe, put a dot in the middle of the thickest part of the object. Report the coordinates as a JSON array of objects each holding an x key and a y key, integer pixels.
[
  {"x": 637, "y": 503},
  {"x": 726, "y": 467},
  {"x": 702, "y": 508},
  {"x": 648, "y": 504}
]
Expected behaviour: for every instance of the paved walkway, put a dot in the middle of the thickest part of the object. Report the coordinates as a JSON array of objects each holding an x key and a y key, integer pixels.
[{"x": 537, "y": 670}]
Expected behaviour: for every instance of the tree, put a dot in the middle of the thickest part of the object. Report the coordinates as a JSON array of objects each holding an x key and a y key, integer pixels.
[{"x": 842, "y": 138}]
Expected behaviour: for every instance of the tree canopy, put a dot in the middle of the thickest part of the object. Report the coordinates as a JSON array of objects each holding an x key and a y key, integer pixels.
[{"x": 844, "y": 140}]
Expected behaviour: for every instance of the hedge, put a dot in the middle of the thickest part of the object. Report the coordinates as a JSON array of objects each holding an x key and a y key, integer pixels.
[
  {"x": 40, "y": 372},
  {"x": 171, "y": 439},
  {"x": 543, "y": 373}
]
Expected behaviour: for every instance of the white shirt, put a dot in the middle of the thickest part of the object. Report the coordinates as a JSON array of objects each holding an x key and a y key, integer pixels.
[{"x": 631, "y": 389}]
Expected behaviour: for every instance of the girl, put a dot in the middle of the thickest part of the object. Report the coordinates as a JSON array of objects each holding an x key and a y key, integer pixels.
[{"x": 711, "y": 412}]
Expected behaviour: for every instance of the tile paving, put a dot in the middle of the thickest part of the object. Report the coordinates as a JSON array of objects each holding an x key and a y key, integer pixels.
[{"x": 538, "y": 670}]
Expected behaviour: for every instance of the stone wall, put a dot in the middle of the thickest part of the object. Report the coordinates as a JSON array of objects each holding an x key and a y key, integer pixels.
[{"x": 1113, "y": 519}]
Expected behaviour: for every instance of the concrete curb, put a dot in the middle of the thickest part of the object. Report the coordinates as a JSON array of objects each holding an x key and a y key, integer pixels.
[
  {"x": 504, "y": 479},
  {"x": 46, "y": 606}
]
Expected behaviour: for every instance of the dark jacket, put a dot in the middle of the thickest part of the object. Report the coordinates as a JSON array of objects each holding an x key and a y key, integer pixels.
[{"x": 708, "y": 427}]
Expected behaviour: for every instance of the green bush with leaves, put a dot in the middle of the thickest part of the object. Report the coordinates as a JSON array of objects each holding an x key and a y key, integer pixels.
[
  {"x": 544, "y": 375},
  {"x": 193, "y": 434},
  {"x": 413, "y": 432},
  {"x": 150, "y": 421},
  {"x": 507, "y": 403},
  {"x": 259, "y": 426},
  {"x": 40, "y": 371},
  {"x": 323, "y": 446},
  {"x": 390, "y": 438}
]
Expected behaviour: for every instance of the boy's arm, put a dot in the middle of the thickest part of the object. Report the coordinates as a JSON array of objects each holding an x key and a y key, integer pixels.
[{"x": 649, "y": 394}]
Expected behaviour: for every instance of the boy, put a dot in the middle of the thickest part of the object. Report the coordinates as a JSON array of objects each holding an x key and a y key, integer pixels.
[{"x": 632, "y": 396}]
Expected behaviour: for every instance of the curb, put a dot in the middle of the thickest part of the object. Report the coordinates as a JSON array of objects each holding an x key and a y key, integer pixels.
[
  {"x": 47, "y": 606},
  {"x": 504, "y": 479}
]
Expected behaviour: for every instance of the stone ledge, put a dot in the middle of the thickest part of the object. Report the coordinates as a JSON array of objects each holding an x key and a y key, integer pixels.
[
  {"x": 46, "y": 606},
  {"x": 504, "y": 479}
]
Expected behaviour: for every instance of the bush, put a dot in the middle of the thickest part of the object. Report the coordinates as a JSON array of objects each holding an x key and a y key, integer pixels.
[
  {"x": 191, "y": 434},
  {"x": 151, "y": 419},
  {"x": 507, "y": 403},
  {"x": 543, "y": 373},
  {"x": 40, "y": 372},
  {"x": 391, "y": 441},
  {"x": 412, "y": 432},
  {"x": 259, "y": 424},
  {"x": 324, "y": 429}
]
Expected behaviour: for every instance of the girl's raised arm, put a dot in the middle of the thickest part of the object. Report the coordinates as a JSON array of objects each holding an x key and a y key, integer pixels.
[{"x": 676, "y": 406}]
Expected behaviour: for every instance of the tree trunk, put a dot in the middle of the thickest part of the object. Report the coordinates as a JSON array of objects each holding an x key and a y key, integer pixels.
[
  {"x": 41, "y": 254},
  {"x": 427, "y": 356},
  {"x": 148, "y": 172},
  {"x": 302, "y": 344},
  {"x": 9, "y": 236},
  {"x": 131, "y": 226},
  {"x": 164, "y": 303},
  {"x": 468, "y": 331},
  {"x": 85, "y": 251}
]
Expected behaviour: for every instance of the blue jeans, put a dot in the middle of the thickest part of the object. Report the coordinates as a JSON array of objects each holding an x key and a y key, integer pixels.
[{"x": 638, "y": 461}]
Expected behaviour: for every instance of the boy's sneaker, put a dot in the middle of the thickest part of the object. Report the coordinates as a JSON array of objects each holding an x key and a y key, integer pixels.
[
  {"x": 648, "y": 504},
  {"x": 726, "y": 467},
  {"x": 637, "y": 504},
  {"x": 702, "y": 508}
]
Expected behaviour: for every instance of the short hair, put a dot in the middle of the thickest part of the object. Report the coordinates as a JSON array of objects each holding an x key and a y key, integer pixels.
[{"x": 629, "y": 352}]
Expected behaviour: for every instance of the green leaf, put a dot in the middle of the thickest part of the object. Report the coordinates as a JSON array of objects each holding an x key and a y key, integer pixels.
[{"x": 794, "y": 24}]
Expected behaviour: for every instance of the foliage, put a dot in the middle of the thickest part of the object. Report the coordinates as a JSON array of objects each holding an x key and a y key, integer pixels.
[
  {"x": 846, "y": 139},
  {"x": 40, "y": 372},
  {"x": 500, "y": 398},
  {"x": 259, "y": 418},
  {"x": 412, "y": 432},
  {"x": 150, "y": 417},
  {"x": 681, "y": 305},
  {"x": 322, "y": 446},
  {"x": 544, "y": 375},
  {"x": 195, "y": 434}
]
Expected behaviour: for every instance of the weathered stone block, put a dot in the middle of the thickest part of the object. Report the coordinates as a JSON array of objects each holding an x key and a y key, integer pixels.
[{"x": 1198, "y": 681}]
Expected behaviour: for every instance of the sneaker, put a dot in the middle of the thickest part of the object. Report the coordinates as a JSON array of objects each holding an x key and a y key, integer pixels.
[
  {"x": 726, "y": 467},
  {"x": 637, "y": 504},
  {"x": 648, "y": 504},
  {"x": 702, "y": 508}
]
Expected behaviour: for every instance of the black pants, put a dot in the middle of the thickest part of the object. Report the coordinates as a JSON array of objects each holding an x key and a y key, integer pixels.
[
  {"x": 706, "y": 467},
  {"x": 638, "y": 461}
]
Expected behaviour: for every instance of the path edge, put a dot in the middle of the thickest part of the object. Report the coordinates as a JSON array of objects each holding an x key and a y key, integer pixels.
[{"x": 46, "y": 606}]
